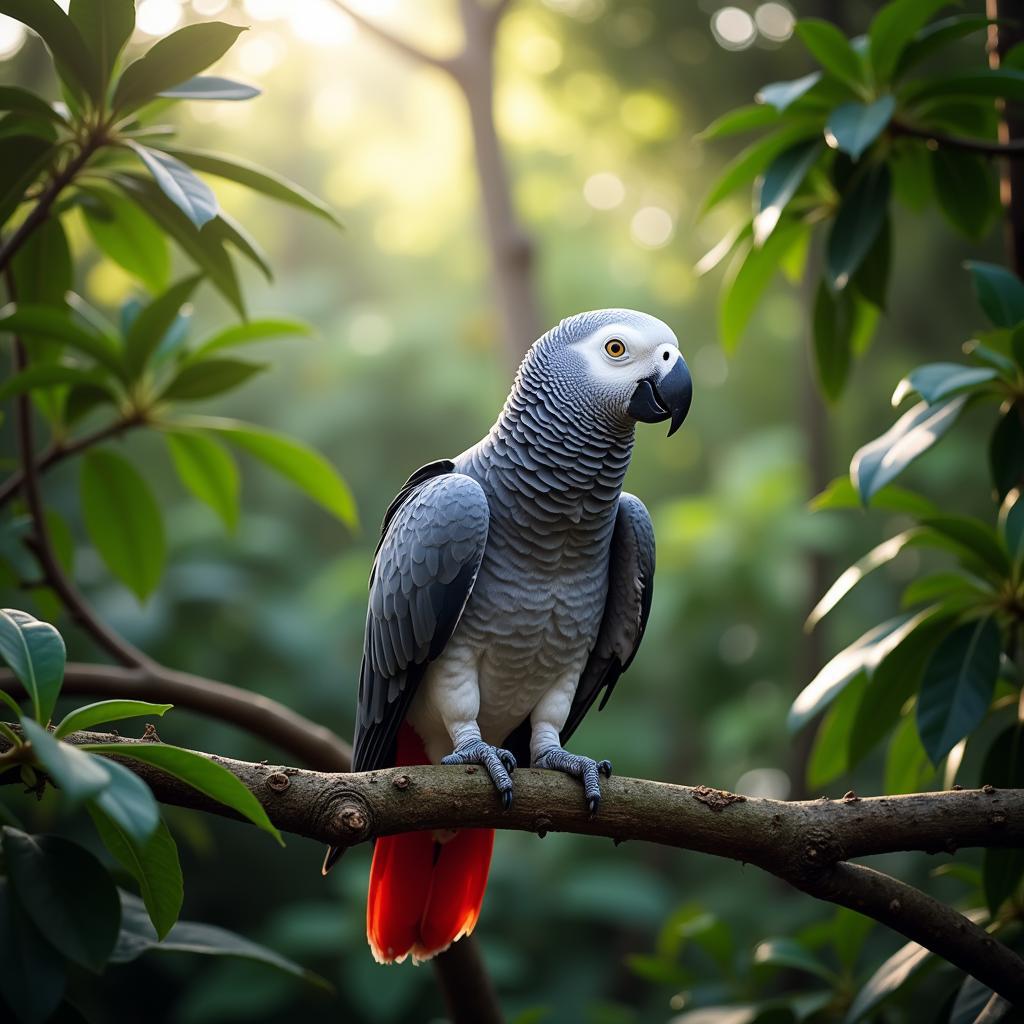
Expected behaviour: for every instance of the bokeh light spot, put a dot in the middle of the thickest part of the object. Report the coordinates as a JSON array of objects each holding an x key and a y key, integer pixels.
[
  {"x": 320, "y": 23},
  {"x": 157, "y": 17},
  {"x": 733, "y": 28},
  {"x": 710, "y": 366},
  {"x": 12, "y": 36},
  {"x": 774, "y": 21},
  {"x": 370, "y": 332},
  {"x": 208, "y": 8},
  {"x": 764, "y": 783},
  {"x": 738, "y": 643},
  {"x": 604, "y": 191},
  {"x": 266, "y": 10},
  {"x": 651, "y": 227},
  {"x": 259, "y": 54},
  {"x": 649, "y": 115}
]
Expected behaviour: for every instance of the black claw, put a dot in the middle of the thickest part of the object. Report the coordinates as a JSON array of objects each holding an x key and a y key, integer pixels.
[
  {"x": 605, "y": 768},
  {"x": 593, "y": 803},
  {"x": 506, "y": 800}
]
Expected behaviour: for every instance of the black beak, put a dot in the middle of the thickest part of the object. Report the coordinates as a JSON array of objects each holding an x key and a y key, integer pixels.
[{"x": 669, "y": 397}]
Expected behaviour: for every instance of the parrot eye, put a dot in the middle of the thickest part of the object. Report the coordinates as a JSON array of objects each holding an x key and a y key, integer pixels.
[{"x": 615, "y": 348}]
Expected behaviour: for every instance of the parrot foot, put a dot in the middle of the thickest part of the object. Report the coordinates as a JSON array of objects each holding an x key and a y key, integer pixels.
[
  {"x": 586, "y": 769},
  {"x": 500, "y": 765}
]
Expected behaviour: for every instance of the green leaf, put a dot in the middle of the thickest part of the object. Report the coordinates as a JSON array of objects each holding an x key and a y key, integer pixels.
[
  {"x": 976, "y": 1003},
  {"x": 210, "y": 87},
  {"x": 1004, "y": 82},
  {"x": 42, "y": 268},
  {"x": 861, "y": 215},
  {"x": 306, "y": 468},
  {"x": 907, "y": 768},
  {"x": 1003, "y": 767},
  {"x": 209, "y": 377},
  {"x": 779, "y": 183},
  {"x": 82, "y": 400},
  {"x": 966, "y": 189},
  {"x": 253, "y": 331},
  {"x": 74, "y": 63},
  {"x": 32, "y": 973},
  {"x": 957, "y": 686},
  {"x": 887, "y": 979},
  {"x": 1011, "y": 525},
  {"x": 103, "y": 711},
  {"x": 937, "y": 381},
  {"x": 1000, "y": 293},
  {"x": 733, "y": 122},
  {"x": 883, "y": 459},
  {"x": 831, "y": 49},
  {"x": 153, "y": 864},
  {"x": 106, "y": 26},
  {"x": 199, "y": 772},
  {"x": 840, "y": 493},
  {"x": 48, "y": 375},
  {"x": 957, "y": 588},
  {"x": 153, "y": 322},
  {"x": 123, "y": 521},
  {"x": 852, "y": 127},
  {"x": 187, "y": 191},
  {"x": 864, "y": 654},
  {"x": 833, "y": 323},
  {"x": 22, "y": 157},
  {"x": 21, "y": 101},
  {"x": 829, "y": 756},
  {"x": 79, "y": 776},
  {"x": 173, "y": 60},
  {"x": 67, "y": 893},
  {"x": 256, "y": 178},
  {"x": 128, "y": 802},
  {"x": 226, "y": 229},
  {"x": 1006, "y": 450},
  {"x": 937, "y": 36},
  {"x": 871, "y": 280},
  {"x": 126, "y": 235},
  {"x": 789, "y": 954},
  {"x": 47, "y": 324},
  {"x": 970, "y": 537},
  {"x": 782, "y": 95},
  {"x": 34, "y": 652},
  {"x": 207, "y": 470},
  {"x": 137, "y": 937},
  {"x": 892, "y": 29},
  {"x": 748, "y": 277}
]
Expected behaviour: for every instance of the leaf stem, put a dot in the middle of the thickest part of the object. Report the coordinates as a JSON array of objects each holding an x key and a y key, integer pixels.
[{"x": 1013, "y": 149}]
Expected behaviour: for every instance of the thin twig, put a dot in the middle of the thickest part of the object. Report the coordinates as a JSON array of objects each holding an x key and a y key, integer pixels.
[{"x": 1013, "y": 149}]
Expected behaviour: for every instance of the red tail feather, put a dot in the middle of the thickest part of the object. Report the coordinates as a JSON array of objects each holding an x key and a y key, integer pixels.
[{"x": 424, "y": 894}]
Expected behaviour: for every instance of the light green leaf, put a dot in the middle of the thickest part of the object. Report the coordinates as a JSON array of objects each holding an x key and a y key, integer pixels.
[
  {"x": 123, "y": 520},
  {"x": 78, "y": 775},
  {"x": 207, "y": 470},
  {"x": 210, "y": 87},
  {"x": 187, "y": 191},
  {"x": 852, "y": 127},
  {"x": 743, "y": 119},
  {"x": 253, "y": 331},
  {"x": 831, "y": 49},
  {"x": 840, "y": 493},
  {"x": 47, "y": 324},
  {"x": 829, "y": 757},
  {"x": 103, "y": 711},
  {"x": 126, "y": 235},
  {"x": 907, "y": 768},
  {"x": 34, "y": 652}
]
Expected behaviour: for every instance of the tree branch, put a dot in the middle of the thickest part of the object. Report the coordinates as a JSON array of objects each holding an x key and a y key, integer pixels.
[
  {"x": 1012, "y": 148},
  {"x": 804, "y": 843}
]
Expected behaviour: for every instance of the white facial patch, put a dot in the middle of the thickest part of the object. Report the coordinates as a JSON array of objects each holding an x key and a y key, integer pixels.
[{"x": 645, "y": 352}]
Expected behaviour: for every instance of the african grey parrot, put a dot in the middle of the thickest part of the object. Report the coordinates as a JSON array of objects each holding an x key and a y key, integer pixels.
[{"x": 511, "y": 586}]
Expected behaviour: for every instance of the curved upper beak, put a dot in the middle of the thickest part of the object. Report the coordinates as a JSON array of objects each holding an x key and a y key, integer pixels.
[{"x": 660, "y": 398}]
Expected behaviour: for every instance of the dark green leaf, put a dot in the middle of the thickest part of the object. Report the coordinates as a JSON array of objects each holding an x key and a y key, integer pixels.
[
  {"x": 1011, "y": 525},
  {"x": 831, "y": 49},
  {"x": 833, "y": 325},
  {"x": 198, "y": 771},
  {"x": 67, "y": 893},
  {"x": 1016, "y": 346},
  {"x": 1006, "y": 450},
  {"x": 34, "y": 652},
  {"x": 887, "y": 980},
  {"x": 32, "y": 976},
  {"x": 1003, "y": 768},
  {"x": 840, "y": 493},
  {"x": 176, "y": 180},
  {"x": 1004, "y": 82},
  {"x": 871, "y": 279},
  {"x": 976, "y": 1003},
  {"x": 63, "y": 40},
  {"x": 256, "y": 178},
  {"x": 207, "y": 470},
  {"x": 852, "y": 127},
  {"x": 957, "y": 686},
  {"x": 48, "y": 375},
  {"x": 306, "y": 468},
  {"x": 790, "y": 954},
  {"x": 862, "y": 213},
  {"x": 22, "y": 157},
  {"x": 937, "y": 36},
  {"x": 907, "y": 768},
  {"x": 949, "y": 588},
  {"x": 47, "y": 324},
  {"x": 42, "y": 266},
  {"x": 128, "y": 802},
  {"x": 82, "y": 400},
  {"x": 105, "y": 25},
  {"x": 173, "y": 60},
  {"x": 227, "y": 229},
  {"x": 104, "y": 711},
  {"x": 779, "y": 183},
  {"x": 936, "y": 381},
  {"x": 210, "y": 87},
  {"x": 79, "y": 776},
  {"x": 123, "y": 521},
  {"x": 743, "y": 119},
  {"x": 153, "y": 322},
  {"x": 130, "y": 238},
  {"x": 971, "y": 537},
  {"x": 829, "y": 756},
  {"x": 781, "y": 95},
  {"x": 153, "y": 864},
  {"x": 1000, "y": 293},
  {"x": 883, "y": 459},
  {"x": 21, "y": 101},
  {"x": 209, "y": 377},
  {"x": 253, "y": 331},
  {"x": 966, "y": 190},
  {"x": 892, "y": 29}
]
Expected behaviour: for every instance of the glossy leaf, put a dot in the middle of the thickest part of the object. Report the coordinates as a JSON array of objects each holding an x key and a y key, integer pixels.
[
  {"x": 883, "y": 459},
  {"x": 47, "y": 324},
  {"x": 1006, "y": 450},
  {"x": 34, "y": 651},
  {"x": 123, "y": 520},
  {"x": 67, "y": 893},
  {"x": 831, "y": 49},
  {"x": 1003, "y": 767},
  {"x": 303, "y": 466},
  {"x": 779, "y": 183},
  {"x": 210, "y": 87},
  {"x": 207, "y": 470},
  {"x": 1000, "y": 293},
  {"x": 957, "y": 686},
  {"x": 106, "y": 26},
  {"x": 209, "y": 377},
  {"x": 177, "y": 181},
  {"x": 852, "y": 127},
  {"x": 782, "y": 95},
  {"x": 199, "y": 772},
  {"x": 104, "y": 711},
  {"x": 892, "y": 29},
  {"x": 965, "y": 186},
  {"x": 887, "y": 979},
  {"x": 936, "y": 381},
  {"x": 172, "y": 61},
  {"x": 22, "y": 101},
  {"x": 256, "y": 178},
  {"x": 733, "y": 122},
  {"x": 128, "y": 802},
  {"x": 251, "y": 332},
  {"x": 153, "y": 322},
  {"x": 126, "y": 235},
  {"x": 79, "y": 776},
  {"x": 861, "y": 215}
]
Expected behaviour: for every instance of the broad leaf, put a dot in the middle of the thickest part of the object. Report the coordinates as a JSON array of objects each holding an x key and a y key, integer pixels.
[
  {"x": 1003, "y": 768},
  {"x": 966, "y": 189},
  {"x": 210, "y": 87},
  {"x": 22, "y": 101},
  {"x": 936, "y": 381},
  {"x": 835, "y": 325},
  {"x": 852, "y": 127},
  {"x": 47, "y": 325},
  {"x": 892, "y": 29},
  {"x": 971, "y": 539},
  {"x": 49, "y": 375},
  {"x": 1011, "y": 525},
  {"x": 207, "y": 470},
  {"x": 862, "y": 213},
  {"x": 226, "y": 229},
  {"x": 831, "y": 49},
  {"x": 907, "y": 768},
  {"x": 172, "y": 61},
  {"x": 123, "y": 520},
  {"x": 1000, "y": 293},
  {"x": 153, "y": 322},
  {"x": 34, "y": 651},
  {"x": 841, "y": 493},
  {"x": 937, "y": 36},
  {"x": 883, "y": 459},
  {"x": 105, "y": 25},
  {"x": 789, "y": 954},
  {"x": 198, "y": 771},
  {"x": 976, "y": 1003},
  {"x": 993, "y": 82},
  {"x": 126, "y": 235},
  {"x": 781, "y": 95},
  {"x": 209, "y": 377},
  {"x": 1006, "y": 450},
  {"x": 67, "y": 893},
  {"x": 42, "y": 269},
  {"x": 79, "y": 776},
  {"x": 248, "y": 333},
  {"x": 104, "y": 711},
  {"x": 779, "y": 183},
  {"x": 957, "y": 686},
  {"x": 887, "y": 980},
  {"x": 871, "y": 280},
  {"x": 153, "y": 864},
  {"x": 743, "y": 119},
  {"x": 128, "y": 802},
  {"x": 176, "y": 180},
  {"x": 22, "y": 158},
  {"x": 829, "y": 757},
  {"x": 306, "y": 468}
]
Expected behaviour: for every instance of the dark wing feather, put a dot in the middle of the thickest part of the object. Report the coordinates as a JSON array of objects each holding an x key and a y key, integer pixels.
[
  {"x": 432, "y": 543},
  {"x": 630, "y": 589}
]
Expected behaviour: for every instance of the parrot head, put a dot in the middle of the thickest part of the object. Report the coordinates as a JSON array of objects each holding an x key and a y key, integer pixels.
[{"x": 625, "y": 365}]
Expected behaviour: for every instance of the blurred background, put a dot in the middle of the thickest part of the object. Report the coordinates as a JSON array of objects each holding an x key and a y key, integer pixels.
[{"x": 597, "y": 104}]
